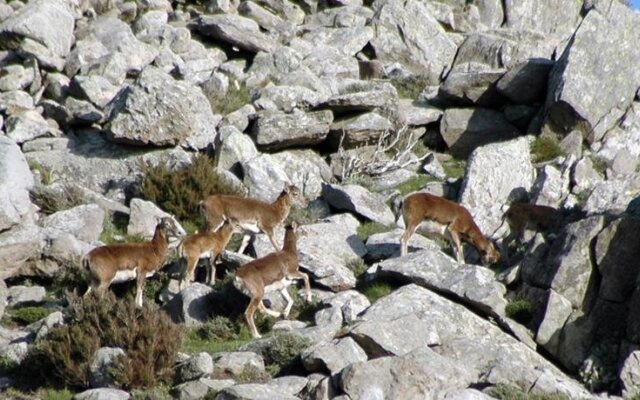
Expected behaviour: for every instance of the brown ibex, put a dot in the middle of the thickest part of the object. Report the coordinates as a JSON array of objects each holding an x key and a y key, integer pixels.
[
  {"x": 456, "y": 221},
  {"x": 275, "y": 271}
]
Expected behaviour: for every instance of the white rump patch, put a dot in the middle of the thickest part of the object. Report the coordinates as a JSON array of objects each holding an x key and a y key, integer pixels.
[
  {"x": 125, "y": 275},
  {"x": 278, "y": 285}
]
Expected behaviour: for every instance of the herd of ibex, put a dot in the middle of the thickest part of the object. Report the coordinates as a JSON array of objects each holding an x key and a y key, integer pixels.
[{"x": 276, "y": 271}]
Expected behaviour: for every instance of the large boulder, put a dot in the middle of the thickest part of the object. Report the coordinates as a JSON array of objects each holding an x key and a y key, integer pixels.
[
  {"x": 15, "y": 181},
  {"x": 160, "y": 110},
  {"x": 575, "y": 99},
  {"x": 553, "y": 18},
  {"x": 464, "y": 129},
  {"x": 360, "y": 201},
  {"x": 238, "y": 31},
  {"x": 33, "y": 22},
  {"x": 496, "y": 173},
  {"x": 406, "y": 32},
  {"x": 191, "y": 305},
  {"x": 278, "y": 130}
]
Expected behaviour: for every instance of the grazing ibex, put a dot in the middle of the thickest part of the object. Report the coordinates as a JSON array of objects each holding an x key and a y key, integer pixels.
[
  {"x": 251, "y": 215},
  {"x": 203, "y": 244},
  {"x": 456, "y": 221},
  {"x": 275, "y": 271},
  {"x": 135, "y": 260}
]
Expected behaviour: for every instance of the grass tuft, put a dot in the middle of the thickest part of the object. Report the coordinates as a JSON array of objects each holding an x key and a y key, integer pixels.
[
  {"x": 519, "y": 310},
  {"x": 376, "y": 290},
  {"x": 545, "y": 148},
  {"x": 510, "y": 392},
  {"x": 454, "y": 168},
  {"x": 51, "y": 200},
  {"x": 367, "y": 229},
  {"x": 410, "y": 87},
  {"x": 414, "y": 184},
  {"x": 237, "y": 96}
]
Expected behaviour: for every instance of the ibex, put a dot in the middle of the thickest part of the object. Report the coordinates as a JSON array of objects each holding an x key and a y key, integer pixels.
[
  {"x": 251, "y": 215},
  {"x": 135, "y": 260},
  {"x": 456, "y": 221},
  {"x": 275, "y": 271},
  {"x": 203, "y": 244}
]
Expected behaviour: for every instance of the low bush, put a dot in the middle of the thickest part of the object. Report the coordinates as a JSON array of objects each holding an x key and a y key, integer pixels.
[
  {"x": 410, "y": 87},
  {"x": 519, "y": 310},
  {"x": 510, "y": 392},
  {"x": 367, "y": 229},
  {"x": 376, "y": 290},
  {"x": 253, "y": 374},
  {"x": 178, "y": 191},
  {"x": 147, "y": 335},
  {"x": 29, "y": 315},
  {"x": 284, "y": 352},
  {"x": 237, "y": 96},
  {"x": 219, "y": 328},
  {"x": 53, "y": 199},
  {"x": 414, "y": 184},
  {"x": 545, "y": 148}
]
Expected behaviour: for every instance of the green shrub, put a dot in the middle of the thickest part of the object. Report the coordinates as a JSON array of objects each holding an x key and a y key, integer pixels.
[
  {"x": 367, "y": 229},
  {"x": 53, "y": 394},
  {"x": 147, "y": 336},
  {"x": 410, "y": 87},
  {"x": 376, "y": 290},
  {"x": 303, "y": 310},
  {"x": 156, "y": 393},
  {"x": 178, "y": 191},
  {"x": 599, "y": 165},
  {"x": 253, "y": 374},
  {"x": 29, "y": 315},
  {"x": 303, "y": 215},
  {"x": 284, "y": 350},
  {"x": 219, "y": 328},
  {"x": 454, "y": 168},
  {"x": 7, "y": 366},
  {"x": 46, "y": 174},
  {"x": 414, "y": 184},
  {"x": 53, "y": 199},
  {"x": 519, "y": 310},
  {"x": 357, "y": 266},
  {"x": 510, "y": 392},
  {"x": 237, "y": 96},
  {"x": 545, "y": 148}
]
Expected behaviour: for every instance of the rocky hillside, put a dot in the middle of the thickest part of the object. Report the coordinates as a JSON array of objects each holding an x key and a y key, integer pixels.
[{"x": 358, "y": 103}]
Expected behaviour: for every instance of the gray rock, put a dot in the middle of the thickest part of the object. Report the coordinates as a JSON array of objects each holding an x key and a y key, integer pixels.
[
  {"x": 84, "y": 222},
  {"x": 17, "y": 246},
  {"x": 15, "y": 181},
  {"x": 289, "y": 98},
  {"x": 571, "y": 144},
  {"x": 15, "y": 100},
  {"x": 616, "y": 259},
  {"x": 252, "y": 391},
  {"x": 502, "y": 48},
  {"x": 15, "y": 77},
  {"x": 306, "y": 169},
  {"x": 102, "y": 394},
  {"x": 198, "y": 366},
  {"x": 236, "y": 148},
  {"x": 191, "y": 305},
  {"x": 95, "y": 88},
  {"x": 574, "y": 99},
  {"x": 555, "y": 18},
  {"x": 425, "y": 374},
  {"x": 584, "y": 175},
  {"x": 466, "y": 394},
  {"x": 325, "y": 250},
  {"x": 198, "y": 389},
  {"x": 351, "y": 302},
  {"x": 237, "y": 31},
  {"x": 266, "y": 19},
  {"x": 359, "y": 130},
  {"x": 630, "y": 374},
  {"x": 345, "y": 16},
  {"x": 4, "y": 294},
  {"x": 144, "y": 216},
  {"x": 42, "y": 327},
  {"x": 349, "y": 40},
  {"x": 332, "y": 356},
  {"x": 526, "y": 82},
  {"x": 104, "y": 359},
  {"x": 387, "y": 244},
  {"x": 385, "y": 338},
  {"x": 278, "y": 130},
  {"x": 291, "y": 385},
  {"x": 358, "y": 200},
  {"x": 233, "y": 364},
  {"x": 118, "y": 39},
  {"x": 551, "y": 186},
  {"x": 20, "y": 295},
  {"x": 509, "y": 159},
  {"x": 82, "y": 112},
  {"x": 27, "y": 125},
  {"x": 464, "y": 129},
  {"x": 613, "y": 196},
  {"x": 239, "y": 118},
  {"x": 264, "y": 176},
  {"x": 403, "y": 33},
  {"x": 28, "y": 23},
  {"x": 416, "y": 112},
  {"x": 472, "y": 285},
  {"x": 329, "y": 62},
  {"x": 179, "y": 110},
  {"x": 473, "y": 88},
  {"x": 555, "y": 317}
]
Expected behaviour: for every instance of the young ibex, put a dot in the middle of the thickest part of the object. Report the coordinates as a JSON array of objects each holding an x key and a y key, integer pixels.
[
  {"x": 203, "y": 244},
  {"x": 137, "y": 260},
  {"x": 275, "y": 271},
  {"x": 456, "y": 221},
  {"x": 251, "y": 215}
]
